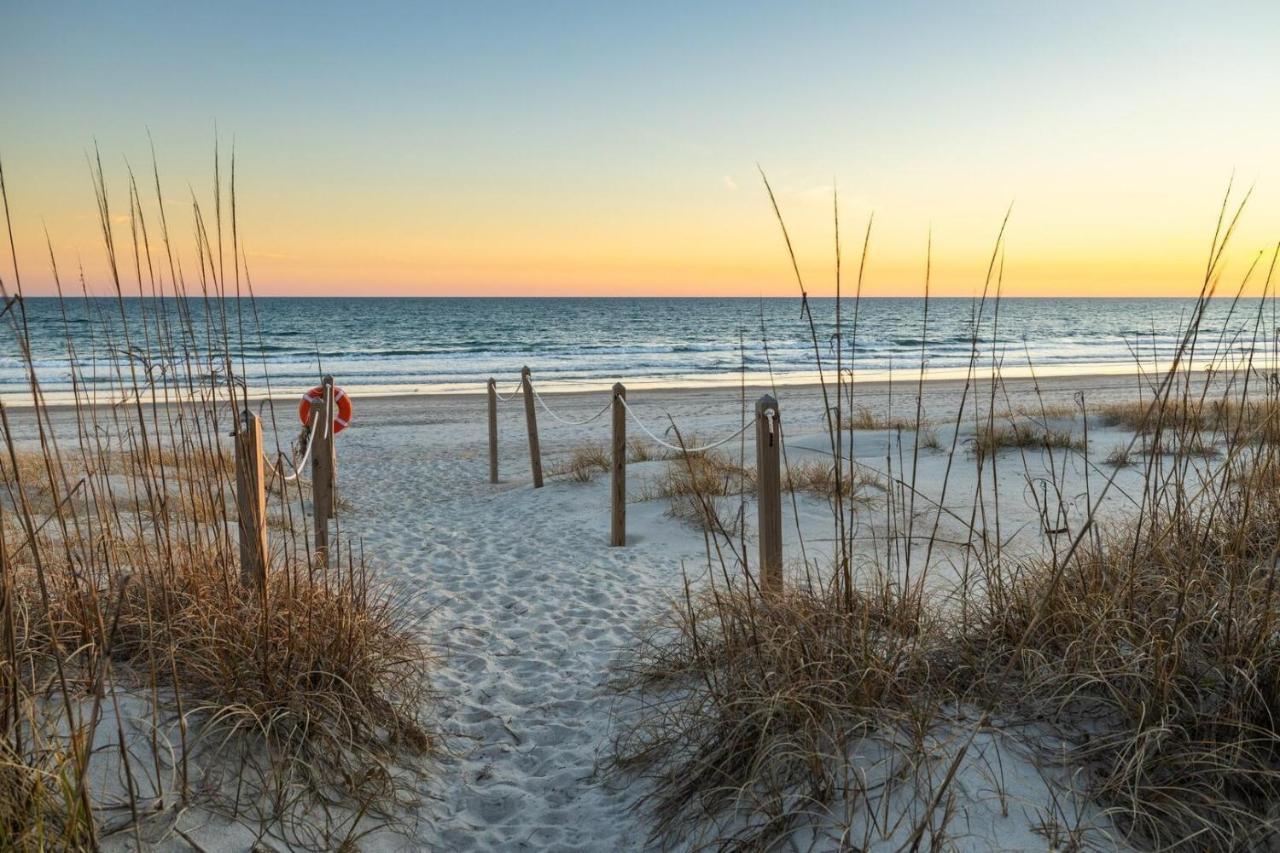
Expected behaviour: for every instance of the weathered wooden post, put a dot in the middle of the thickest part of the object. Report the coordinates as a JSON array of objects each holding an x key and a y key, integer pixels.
[
  {"x": 493, "y": 431},
  {"x": 531, "y": 421},
  {"x": 251, "y": 502},
  {"x": 769, "y": 492},
  {"x": 322, "y": 476},
  {"x": 618, "y": 482}
]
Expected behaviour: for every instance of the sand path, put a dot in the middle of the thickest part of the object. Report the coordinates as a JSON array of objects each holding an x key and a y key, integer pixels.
[{"x": 529, "y": 605}]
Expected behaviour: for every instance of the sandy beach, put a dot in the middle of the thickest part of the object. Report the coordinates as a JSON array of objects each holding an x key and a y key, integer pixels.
[
  {"x": 590, "y": 427},
  {"x": 529, "y": 607},
  {"x": 533, "y": 606}
]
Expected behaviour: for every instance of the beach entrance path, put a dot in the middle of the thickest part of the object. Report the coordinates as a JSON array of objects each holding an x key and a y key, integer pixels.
[{"x": 530, "y": 606}]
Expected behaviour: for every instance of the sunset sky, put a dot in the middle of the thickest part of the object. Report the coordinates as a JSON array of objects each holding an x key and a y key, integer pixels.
[{"x": 597, "y": 149}]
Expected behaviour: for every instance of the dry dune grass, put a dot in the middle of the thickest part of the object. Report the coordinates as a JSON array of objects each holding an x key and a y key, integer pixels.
[
  {"x": 991, "y": 438},
  {"x": 29, "y": 469},
  {"x": 328, "y": 672},
  {"x": 185, "y": 460},
  {"x": 584, "y": 462},
  {"x": 1041, "y": 412},
  {"x": 1155, "y": 651},
  {"x": 786, "y": 684},
  {"x": 301, "y": 699},
  {"x": 1142, "y": 659},
  {"x": 705, "y": 490},
  {"x": 1119, "y": 457},
  {"x": 640, "y": 450},
  {"x": 38, "y": 793},
  {"x": 711, "y": 473},
  {"x": 818, "y": 478},
  {"x": 1150, "y": 653},
  {"x": 1259, "y": 419},
  {"x": 864, "y": 418}
]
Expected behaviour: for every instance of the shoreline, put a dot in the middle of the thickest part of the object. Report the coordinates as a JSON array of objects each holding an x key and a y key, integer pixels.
[
  {"x": 1107, "y": 380},
  {"x": 530, "y": 606}
]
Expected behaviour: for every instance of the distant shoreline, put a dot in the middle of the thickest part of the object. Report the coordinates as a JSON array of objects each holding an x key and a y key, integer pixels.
[
  {"x": 1056, "y": 377},
  {"x": 849, "y": 299}
]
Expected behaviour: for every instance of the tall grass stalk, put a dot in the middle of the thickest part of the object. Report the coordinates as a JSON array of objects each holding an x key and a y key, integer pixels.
[
  {"x": 294, "y": 706},
  {"x": 1139, "y": 656}
]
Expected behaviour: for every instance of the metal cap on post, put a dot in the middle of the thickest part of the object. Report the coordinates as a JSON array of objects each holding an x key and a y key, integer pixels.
[{"x": 769, "y": 492}]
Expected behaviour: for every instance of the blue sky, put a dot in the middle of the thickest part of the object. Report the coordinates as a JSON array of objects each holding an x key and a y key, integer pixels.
[{"x": 600, "y": 148}]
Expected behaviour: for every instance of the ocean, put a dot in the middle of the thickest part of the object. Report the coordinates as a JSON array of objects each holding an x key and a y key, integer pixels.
[{"x": 437, "y": 345}]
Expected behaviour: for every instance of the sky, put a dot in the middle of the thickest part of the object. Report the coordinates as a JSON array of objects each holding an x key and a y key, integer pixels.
[{"x": 616, "y": 149}]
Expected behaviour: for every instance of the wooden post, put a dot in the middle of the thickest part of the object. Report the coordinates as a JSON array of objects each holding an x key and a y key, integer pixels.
[
  {"x": 322, "y": 470},
  {"x": 769, "y": 492},
  {"x": 493, "y": 431},
  {"x": 251, "y": 502},
  {"x": 531, "y": 421},
  {"x": 618, "y": 483}
]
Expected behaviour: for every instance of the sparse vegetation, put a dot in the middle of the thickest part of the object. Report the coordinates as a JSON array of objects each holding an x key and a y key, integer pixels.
[
  {"x": 711, "y": 473},
  {"x": 585, "y": 461},
  {"x": 1249, "y": 420},
  {"x": 300, "y": 701},
  {"x": 1119, "y": 457},
  {"x": 1139, "y": 657},
  {"x": 697, "y": 487},
  {"x": 775, "y": 690},
  {"x": 1159, "y": 643},
  {"x": 818, "y": 477},
  {"x": 991, "y": 438},
  {"x": 865, "y": 418},
  {"x": 642, "y": 450}
]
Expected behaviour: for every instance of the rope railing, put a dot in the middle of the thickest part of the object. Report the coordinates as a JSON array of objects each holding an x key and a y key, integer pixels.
[
  {"x": 546, "y": 407},
  {"x": 306, "y": 456},
  {"x": 767, "y": 423},
  {"x": 252, "y": 467},
  {"x": 513, "y": 395},
  {"x": 678, "y": 448},
  {"x": 567, "y": 421},
  {"x": 770, "y": 414}
]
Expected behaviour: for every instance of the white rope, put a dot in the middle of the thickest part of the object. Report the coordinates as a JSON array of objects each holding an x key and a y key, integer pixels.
[
  {"x": 676, "y": 447},
  {"x": 509, "y": 398},
  {"x": 297, "y": 469},
  {"x": 566, "y": 421}
]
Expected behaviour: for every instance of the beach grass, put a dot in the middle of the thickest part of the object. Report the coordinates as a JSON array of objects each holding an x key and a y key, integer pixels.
[
  {"x": 585, "y": 462},
  {"x": 820, "y": 478},
  {"x": 862, "y": 417},
  {"x": 1119, "y": 457},
  {"x": 774, "y": 688},
  {"x": 992, "y": 438},
  {"x": 1136, "y": 654},
  {"x": 705, "y": 490},
  {"x": 123, "y": 596}
]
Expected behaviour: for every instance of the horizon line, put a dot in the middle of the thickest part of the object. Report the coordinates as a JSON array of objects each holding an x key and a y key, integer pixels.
[{"x": 375, "y": 296}]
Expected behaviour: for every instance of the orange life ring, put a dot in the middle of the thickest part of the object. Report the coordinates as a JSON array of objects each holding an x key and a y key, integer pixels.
[{"x": 341, "y": 418}]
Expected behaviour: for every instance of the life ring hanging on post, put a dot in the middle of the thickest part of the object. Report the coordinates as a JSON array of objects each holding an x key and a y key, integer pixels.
[{"x": 341, "y": 402}]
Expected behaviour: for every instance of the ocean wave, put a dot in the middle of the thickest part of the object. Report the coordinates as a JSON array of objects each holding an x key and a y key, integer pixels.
[{"x": 462, "y": 342}]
